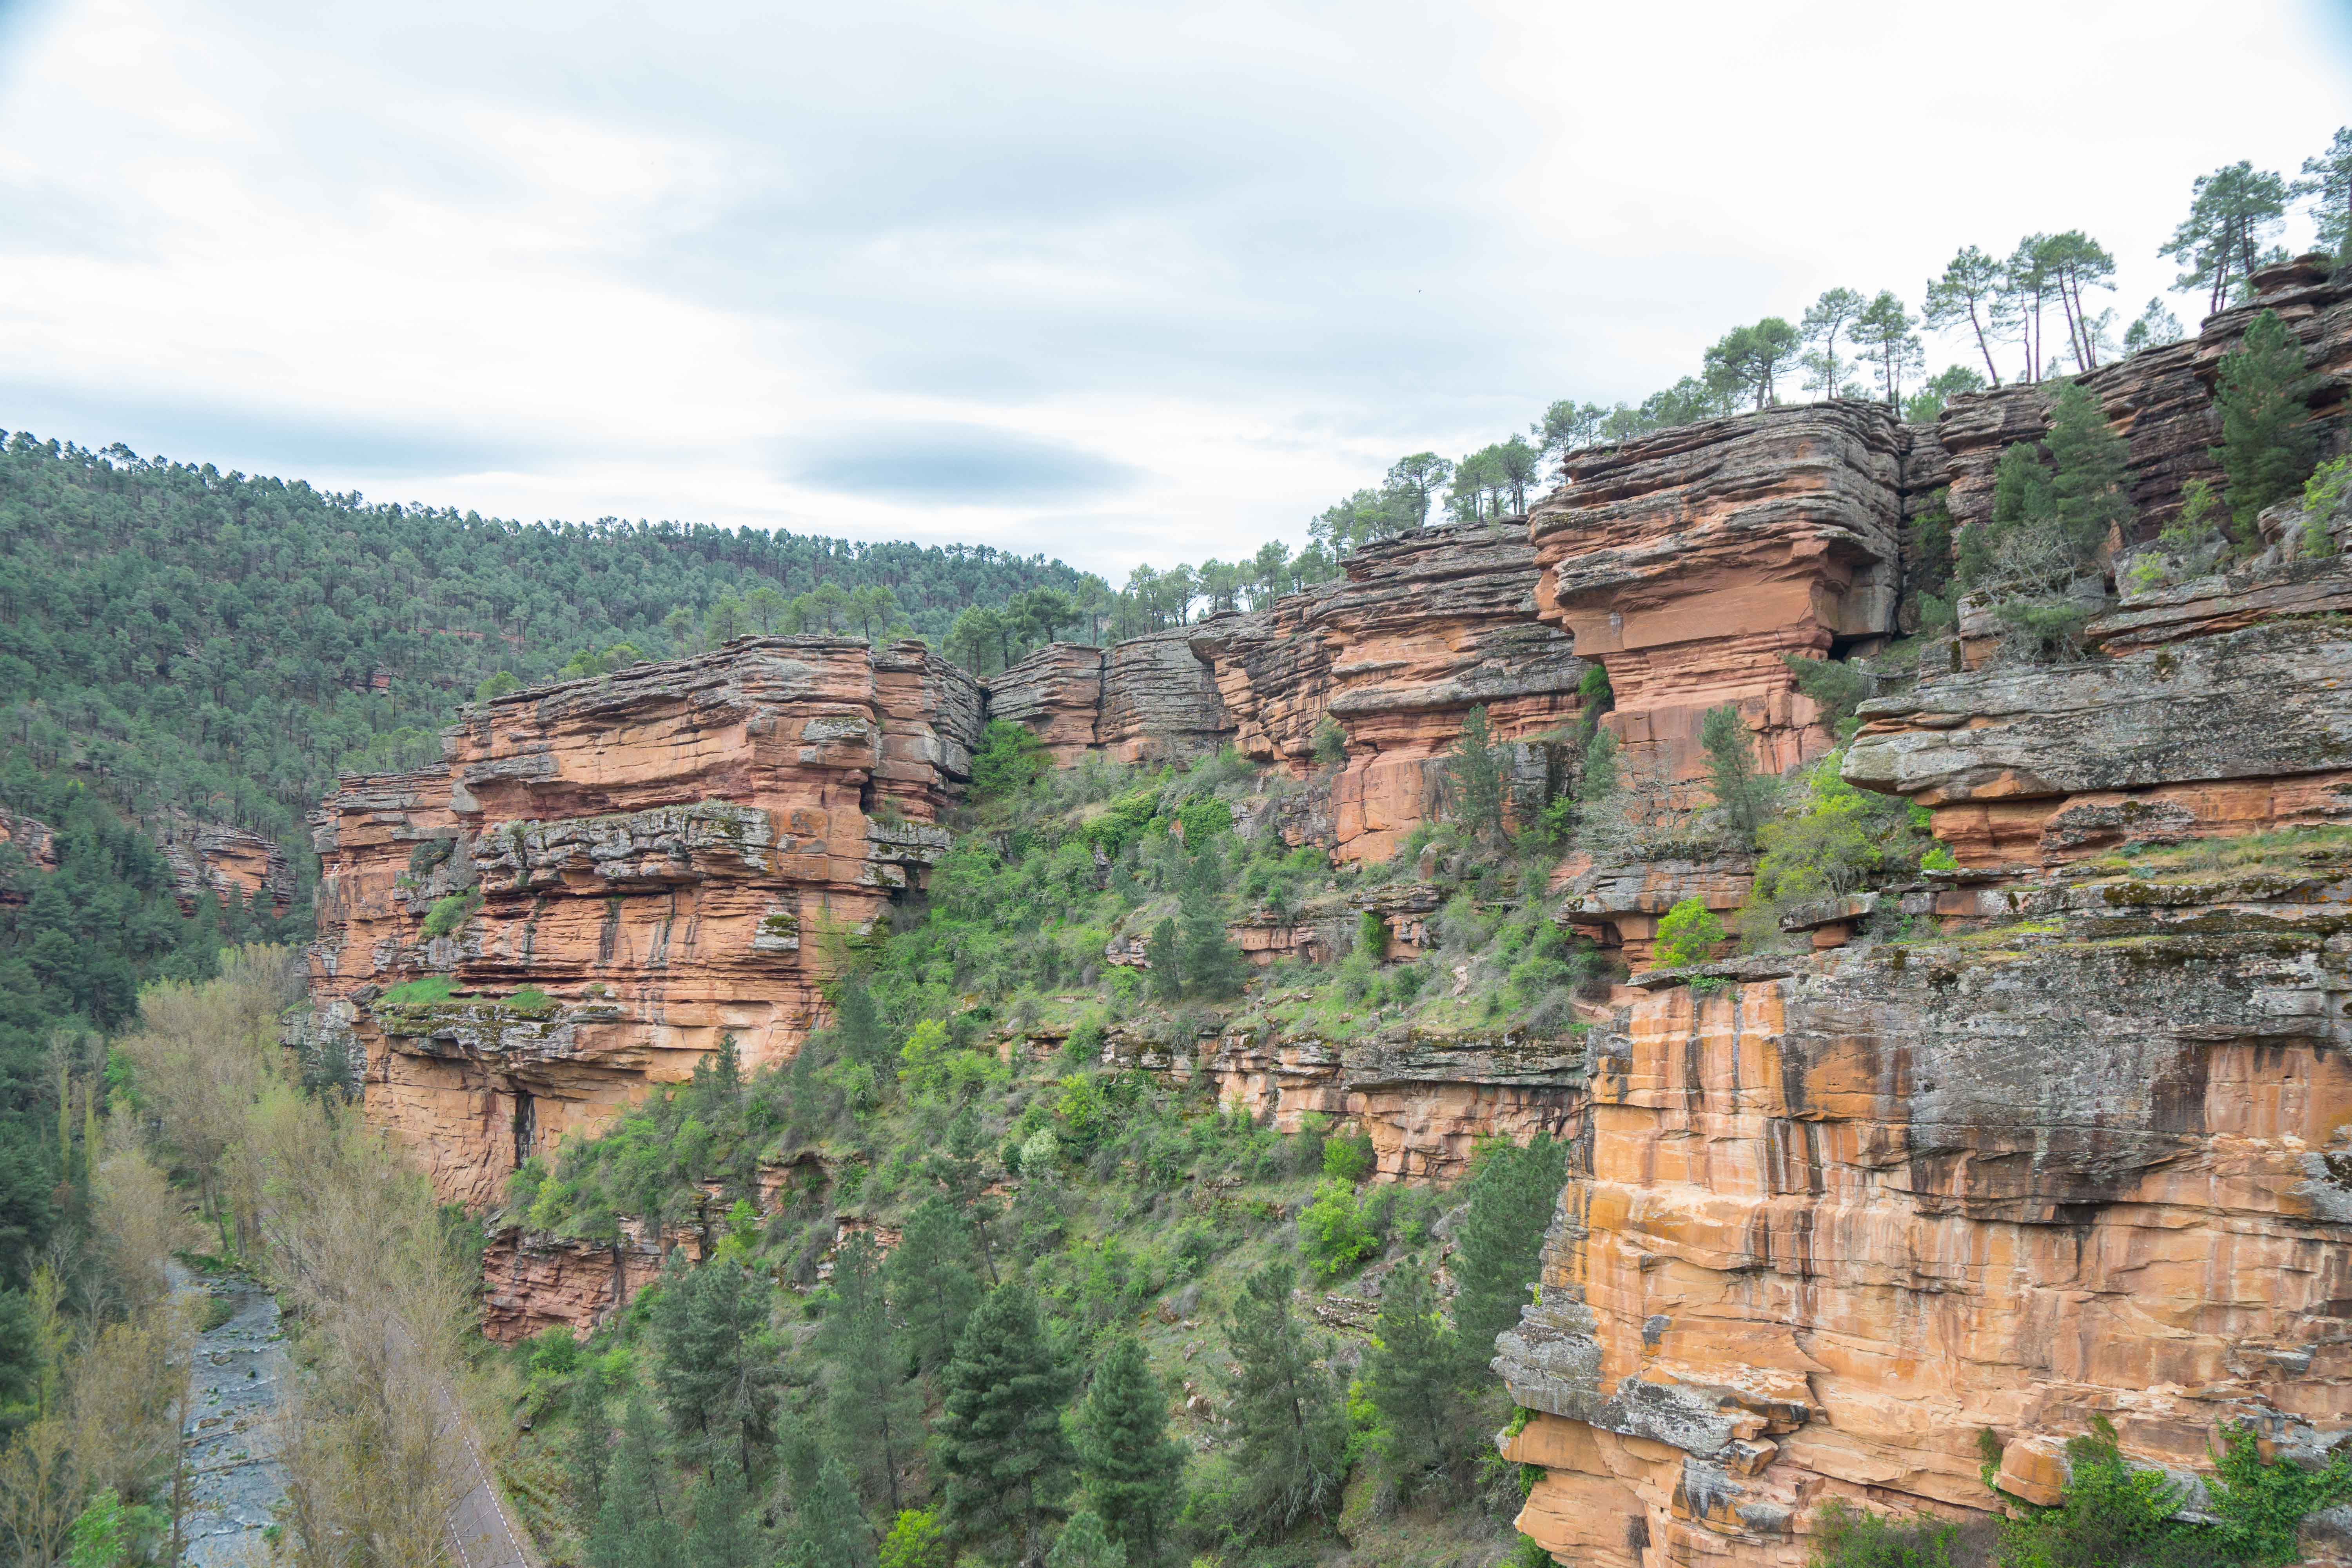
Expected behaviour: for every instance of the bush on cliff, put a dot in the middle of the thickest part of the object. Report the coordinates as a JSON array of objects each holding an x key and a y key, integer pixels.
[
  {"x": 1688, "y": 936},
  {"x": 1010, "y": 759},
  {"x": 2114, "y": 1512},
  {"x": 1833, "y": 839}
]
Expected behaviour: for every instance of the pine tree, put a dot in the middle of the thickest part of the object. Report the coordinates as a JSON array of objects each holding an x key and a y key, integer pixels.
[
  {"x": 1474, "y": 769},
  {"x": 1599, "y": 779},
  {"x": 715, "y": 1368},
  {"x": 1414, "y": 1374},
  {"x": 1000, "y": 1439},
  {"x": 635, "y": 1527},
  {"x": 828, "y": 1528},
  {"x": 1731, "y": 770},
  {"x": 1293, "y": 1430},
  {"x": 877, "y": 1412},
  {"x": 723, "y": 1535},
  {"x": 1511, "y": 1195},
  {"x": 1083, "y": 1544},
  {"x": 1214, "y": 966},
  {"x": 857, "y": 1026},
  {"x": 2268, "y": 445},
  {"x": 1133, "y": 1469},
  {"x": 932, "y": 1278},
  {"x": 2089, "y": 462},
  {"x": 588, "y": 1460},
  {"x": 1163, "y": 954}
]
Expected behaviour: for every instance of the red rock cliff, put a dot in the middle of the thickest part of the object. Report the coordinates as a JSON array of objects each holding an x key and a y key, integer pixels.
[{"x": 624, "y": 870}]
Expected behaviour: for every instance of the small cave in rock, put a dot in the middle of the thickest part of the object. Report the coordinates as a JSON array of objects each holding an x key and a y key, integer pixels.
[{"x": 526, "y": 1126}]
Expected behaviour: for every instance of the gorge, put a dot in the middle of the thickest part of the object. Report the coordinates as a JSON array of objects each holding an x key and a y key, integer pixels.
[{"x": 2058, "y": 1133}]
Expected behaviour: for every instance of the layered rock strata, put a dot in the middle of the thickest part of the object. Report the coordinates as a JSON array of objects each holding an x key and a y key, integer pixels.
[
  {"x": 2220, "y": 709},
  {"x": 1691, "y": 562},
  {"x": 607, "y": 877},
  {"x": 2160, "y": 400},
  {"x": 1424, "y": 1100},
  {"x": 1393, "y": 656},
  {"x": 1826, "y": 1229},
  {"x": 213, "y": 859}
]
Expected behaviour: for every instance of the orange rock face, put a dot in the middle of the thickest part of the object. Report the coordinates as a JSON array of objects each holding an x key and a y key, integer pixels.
[
  {"x": 1690, "y": 562},
  {"x": 1394, "y": 655},
  {"x": 1825, "y": 1230},
  {"x": 612, "y": 875}
]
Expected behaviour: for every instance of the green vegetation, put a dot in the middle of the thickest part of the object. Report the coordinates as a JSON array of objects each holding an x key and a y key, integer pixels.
[
  {"x": 1832, "y": 839},
  {"x": 2268, "y": 445},
  {"x": 427, "y": 992},
  {"x": 1689, "y": 934}
]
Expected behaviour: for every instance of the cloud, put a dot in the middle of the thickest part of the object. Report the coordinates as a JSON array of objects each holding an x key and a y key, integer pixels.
[
  {"x": 1111, "y": 282},
  {"x": 971, "y": 463},
  {"x": 259, "y": 439}
]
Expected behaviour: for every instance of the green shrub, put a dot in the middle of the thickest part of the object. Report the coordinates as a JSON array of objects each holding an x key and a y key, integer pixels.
[
  {"x": 1204, "y": 819},
  {"x": 1348, "y": 1159},
  {"x": 532, "y": 1000},
  {"x": 429, "y": 856},
  {"x": 1009, "y": 761},
  {"x": 1372, "y": 934},
  {"x": 1330, "y": 742},
  {"x": 1837, "y": 689},
  {"x": 1332, "y": 1233},
  {"x": 448, "y": 914},
  {"x": 1939, "y": 858},
  {"x": 555, "y": 1353},
  {"x": 1855, "y": 1538},
  {"x": 1688, "y": 935}
]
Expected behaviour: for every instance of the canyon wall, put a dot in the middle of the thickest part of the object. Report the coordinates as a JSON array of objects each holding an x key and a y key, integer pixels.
[
  {"x": 610, "y": 875},
  {"x": 1392, "y": 654},
  {"x": 2084, "y": 1150}
]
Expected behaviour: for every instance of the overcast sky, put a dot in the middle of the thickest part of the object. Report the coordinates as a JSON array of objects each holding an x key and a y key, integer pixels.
[{"x": 1111, "y": 282}]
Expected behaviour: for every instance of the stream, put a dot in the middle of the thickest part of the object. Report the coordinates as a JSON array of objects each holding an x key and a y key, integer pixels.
[{"x": 230, "y": 1446}]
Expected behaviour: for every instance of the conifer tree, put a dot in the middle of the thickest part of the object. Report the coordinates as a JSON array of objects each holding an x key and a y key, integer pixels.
[
  {"x": 2089, "y": 462},
  {"x": 1214, "y": 966},
  {"x": 2268, "y": 445},
  {"x": 588, "y": 1458},
  {"x": 635, "y": 1527},
  {"x": 1133, "y": 1469},
  {"x": 1162, "y": 952},
  {"x": 828, "y": 1528},
  {"x": 1293, "y": 1430},
  {"x": 1083, "y": 1544},
  {"x": 1413, "y": 1372},
  {"x": 1511, "y": 1195},
  {"x": 876, "y": 1413},
  {"x": 1599, "y": 779},
  {"x": 1474, "y": 768},
  {"x": 1000, "y": 1440},
  {"x": 715, "y": 1368},
  {"x": 1731, "y": 769},
  {"x": 723, "y": 1535},
  {"x": 933, "y": 1277}
]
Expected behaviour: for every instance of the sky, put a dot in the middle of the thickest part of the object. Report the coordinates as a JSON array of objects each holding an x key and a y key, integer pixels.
[{"x": 1115, "y": 283}]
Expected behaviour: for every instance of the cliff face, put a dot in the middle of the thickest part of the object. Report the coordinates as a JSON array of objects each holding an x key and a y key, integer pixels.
[
  {"x": 625, "y": 871},
  {"x": 220, "y": 861},
  {"x": 1395, "y": 654},
  {"x": 2161, "y": 400},
  {"x": 2082, "y": 1155},
  {"x": 1690, "y": 562},
  {"x": 1826, "y": 1229}
]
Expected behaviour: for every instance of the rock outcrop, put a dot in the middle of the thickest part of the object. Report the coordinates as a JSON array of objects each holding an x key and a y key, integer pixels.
[
  {"x": 2223, "y": 710},
  {"x": 1689, "y": 563},
  {"x": 1827, "y": 1228},
  {"x": 2161, "y": 399},
  {"x": 213, "y": 859},
  {"x": 608, "y": 875},
  {"x": 1393, "y": 655}
]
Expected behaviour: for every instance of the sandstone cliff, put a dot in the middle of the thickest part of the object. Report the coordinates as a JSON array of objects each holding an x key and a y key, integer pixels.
[
  {"x": 1394, "y": 654},
  {"x": 620, "y": 872}
]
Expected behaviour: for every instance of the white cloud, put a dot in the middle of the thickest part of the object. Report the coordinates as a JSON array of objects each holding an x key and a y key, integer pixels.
[{"x": 1130, "y": 283}]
